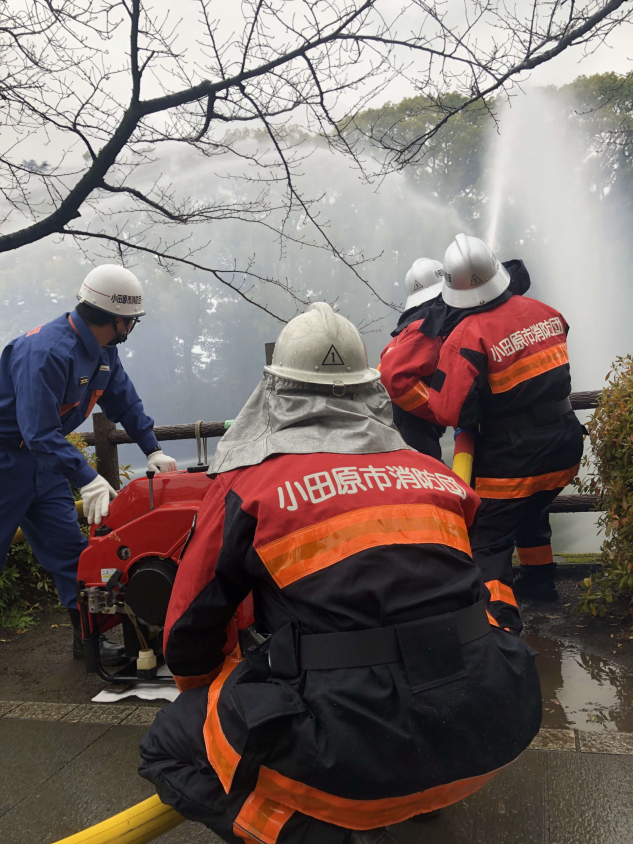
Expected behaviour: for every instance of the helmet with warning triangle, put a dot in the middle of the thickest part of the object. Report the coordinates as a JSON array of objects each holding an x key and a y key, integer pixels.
[
  {"x": 472, "y": 274},
  {"x": 422, "y": 282},
  {"x": 113, "y": 289},
  {"x": 321, "y": 347}
]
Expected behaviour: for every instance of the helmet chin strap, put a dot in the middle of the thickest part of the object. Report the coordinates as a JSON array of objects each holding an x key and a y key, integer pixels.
[{"x": 120, "y": 338}]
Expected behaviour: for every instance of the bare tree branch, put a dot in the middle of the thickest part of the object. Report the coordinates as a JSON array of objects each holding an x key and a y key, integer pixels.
[{"x": 109, "y": 87}]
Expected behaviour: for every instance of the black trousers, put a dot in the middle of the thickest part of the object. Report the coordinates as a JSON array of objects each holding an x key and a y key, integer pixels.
[{"x": 504, "y": 524}]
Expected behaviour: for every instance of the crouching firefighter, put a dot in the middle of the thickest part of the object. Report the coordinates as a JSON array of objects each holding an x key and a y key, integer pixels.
[
  {"x": 408, "y": 362},
  {"x": 371, "y": 699},
  {"x": 503, "y": 374},
  {"x": 50, "y": 380}
]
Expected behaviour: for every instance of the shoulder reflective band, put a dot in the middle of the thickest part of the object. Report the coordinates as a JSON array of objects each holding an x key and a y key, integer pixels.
[
  {"x": 221, "y": 755},
  {"x": 539, "y": 556},
  {"x": 500, "y": 592},
  {"x": 414, "y": 398},
  {"x": 363, "y": 814},
  {"x": 316, "y": 547},
  {"x": 524, "y": 487},
  {"x": 261, "y": 819},
  {"x": 528, "y": 367}
]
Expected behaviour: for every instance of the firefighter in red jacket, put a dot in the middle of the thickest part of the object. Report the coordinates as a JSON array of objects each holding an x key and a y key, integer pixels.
[
  {"x": 408, "y": 362},
  {"x": 504, "y": 374},
  {"x": 382, "y": 690}
]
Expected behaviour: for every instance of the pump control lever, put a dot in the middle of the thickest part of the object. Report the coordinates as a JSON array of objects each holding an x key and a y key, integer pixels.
[{"x": 150, "y": 477}]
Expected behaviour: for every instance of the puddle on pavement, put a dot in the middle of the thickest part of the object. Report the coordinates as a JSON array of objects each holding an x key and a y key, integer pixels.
[{"x": 582, "y": 690}]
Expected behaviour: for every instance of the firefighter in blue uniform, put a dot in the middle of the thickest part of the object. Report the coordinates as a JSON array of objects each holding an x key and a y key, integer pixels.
[{"x": 50, "y": 380}]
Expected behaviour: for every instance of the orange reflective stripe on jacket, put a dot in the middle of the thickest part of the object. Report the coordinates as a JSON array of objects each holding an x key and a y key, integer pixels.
[
  {"x": 196, "y": 681},
  {"x": 96, "y": 395},
  {"x": 65, "y": 408},
  {"x": 261, "y": 819},
  {"x": 528, "y": 367},
  {"x": 221, "y": 755},
  {"x": 318, "y": 546},
  {"x": 363, "y": 814},
  {"x": 417, "y": 395},
  {"x": 539, "y": 556},
  {"x": 500, "y": 592},
  {"x": 524, "y": 487}
]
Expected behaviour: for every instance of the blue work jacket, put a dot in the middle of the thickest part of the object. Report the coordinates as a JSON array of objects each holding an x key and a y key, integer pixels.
[{"x": 50, "y": 380}]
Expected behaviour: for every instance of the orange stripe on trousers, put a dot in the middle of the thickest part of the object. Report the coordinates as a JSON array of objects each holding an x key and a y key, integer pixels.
[
  {"x": 261, "y": 819},
  {"x": 318, "y": 546},
  {"x": 500, "y": 592},
  {"x": 221, "y": 755},
  {"x": 528, "y": 367},
  {"x": 363, "y": 814},
  {"x": 524, "y": 487},
  {"x": 539, "y": 556},
  {"x": 414, "y": 398}
]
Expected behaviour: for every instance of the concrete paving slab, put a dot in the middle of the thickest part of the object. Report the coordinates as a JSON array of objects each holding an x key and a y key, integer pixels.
[
  {"x": 606, "y": 742},
  {"x": 97, "y": 783},
  {"x": 94, "y": 713},
  {"x": 189, "y": 833},
  {"x": 143, "y": 716},
  {"x": 554, "y": 740},
  {"x": 33, "y": 751},
  {"x": 511, "y": 809},
  {"x": 41, "y": 711},
  {"x": 43, "y": 798},
  {"x": 590, "y": 798},
  {"x": 7, "y": 706}
]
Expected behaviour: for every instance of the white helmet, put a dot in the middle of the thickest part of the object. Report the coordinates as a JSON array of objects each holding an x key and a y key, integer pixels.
[
  {"x": 113, "y": 289},
  {"x": 472, "y": 274},
  {"x": 422, "y": 282},
  {"x": 321, "y": 347}
]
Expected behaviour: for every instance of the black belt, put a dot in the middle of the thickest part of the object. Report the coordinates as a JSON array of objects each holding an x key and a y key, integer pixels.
[
  {"x": 379, "y": 645},
  {"x": 543, "y": 413}
]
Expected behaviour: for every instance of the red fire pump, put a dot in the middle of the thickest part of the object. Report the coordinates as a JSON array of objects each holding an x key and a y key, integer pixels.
[{"x": 127, "y": 572}]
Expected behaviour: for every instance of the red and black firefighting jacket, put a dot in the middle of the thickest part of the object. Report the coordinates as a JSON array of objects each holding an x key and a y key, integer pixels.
[
  {"x": 505, "y": 363},
  {"x": 407, "y": 365},
  {"x": 345, "y": 542}
]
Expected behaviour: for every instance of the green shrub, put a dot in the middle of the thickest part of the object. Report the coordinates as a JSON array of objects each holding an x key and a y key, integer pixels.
[{"x": 611, "y": 478}]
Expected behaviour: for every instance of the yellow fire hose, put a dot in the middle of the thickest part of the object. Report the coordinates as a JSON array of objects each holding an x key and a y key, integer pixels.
[
  {"x": 137, "y": 825},
  {"x": 463, "y": 456},
  {"x": 19, "y": 536}
]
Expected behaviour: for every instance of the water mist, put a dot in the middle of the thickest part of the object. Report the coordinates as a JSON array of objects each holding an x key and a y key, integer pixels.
[{"x": 543, "y": 209}]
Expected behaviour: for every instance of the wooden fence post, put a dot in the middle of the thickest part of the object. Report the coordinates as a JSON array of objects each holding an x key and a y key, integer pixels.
[{"x": 107, "y": 452}]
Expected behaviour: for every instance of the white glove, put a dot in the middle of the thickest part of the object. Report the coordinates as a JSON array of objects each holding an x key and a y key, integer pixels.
[
  {"x": 159, "y": 462},
  {"x": 96, "y": 497}
]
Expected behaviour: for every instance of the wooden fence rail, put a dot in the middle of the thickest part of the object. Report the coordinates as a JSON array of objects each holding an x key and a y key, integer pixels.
[{"x": 106, "y": 437}]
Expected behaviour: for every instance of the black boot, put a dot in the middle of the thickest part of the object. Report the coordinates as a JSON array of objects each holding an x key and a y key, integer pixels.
[
  {"x": 536, "y": 583},
  {"x": 110, "y": 653}
]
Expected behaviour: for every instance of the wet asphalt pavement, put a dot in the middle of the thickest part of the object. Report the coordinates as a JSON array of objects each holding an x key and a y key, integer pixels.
[{"x": 68, "y": 764}]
